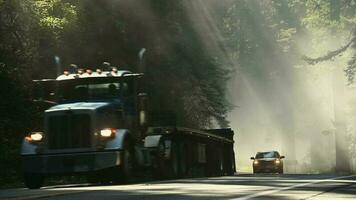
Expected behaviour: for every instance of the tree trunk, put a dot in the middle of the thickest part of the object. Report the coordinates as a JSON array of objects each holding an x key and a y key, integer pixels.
[{"x": 341, "y": 145}]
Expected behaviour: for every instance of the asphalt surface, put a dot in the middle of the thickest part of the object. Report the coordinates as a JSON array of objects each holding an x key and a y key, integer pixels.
[{"x": 239, "y": 187}]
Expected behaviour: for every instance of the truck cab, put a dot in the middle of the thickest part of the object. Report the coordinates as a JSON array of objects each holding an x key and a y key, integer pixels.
[{"x": 94, "y": 119}]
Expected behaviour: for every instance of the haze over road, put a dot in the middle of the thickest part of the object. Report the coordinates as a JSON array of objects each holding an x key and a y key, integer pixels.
[{"x": 238, "y": 187}]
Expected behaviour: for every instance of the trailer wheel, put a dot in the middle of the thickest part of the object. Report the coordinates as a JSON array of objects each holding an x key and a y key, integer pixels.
[
  {"x": 231, "y": 165},
  {"x": 33, "y": 180},
  {"x": 183, "y": 166},
  {"x": 219, "y": 165}
]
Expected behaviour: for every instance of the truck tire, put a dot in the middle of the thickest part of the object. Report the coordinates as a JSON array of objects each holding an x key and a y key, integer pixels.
[
  {"x": 230, "y": 165},
  {"x": 183, "y": 165},
  {"x": 123, "y": 173},
  {"x": 174, "y": 161},
  {"x": 216, "y": 165},
  {"x": 221, "y": 170},
  {"x": 160, "y": 169},
  {"x": 33, "y": 180},
  {"x": 127, "y": 165},
  {"x": 167, "y": 168}
]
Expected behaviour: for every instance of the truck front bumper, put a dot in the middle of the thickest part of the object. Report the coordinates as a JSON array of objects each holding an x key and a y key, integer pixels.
[{"x": 69, "y": 163}]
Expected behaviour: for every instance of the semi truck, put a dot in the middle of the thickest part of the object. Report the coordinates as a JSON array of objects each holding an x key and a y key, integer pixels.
[{"x": 98, "y": 123}]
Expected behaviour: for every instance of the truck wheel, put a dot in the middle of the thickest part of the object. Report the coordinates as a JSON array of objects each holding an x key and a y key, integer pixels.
[
  {"x": 123, "y": 173},
  {"x": 127, "y": 165},
  {"x": 33, "y": 181},
  {"x": 167, "y": 169},
  {"x": 174, "y": 161},
  {"x": 161, "y": 169}
]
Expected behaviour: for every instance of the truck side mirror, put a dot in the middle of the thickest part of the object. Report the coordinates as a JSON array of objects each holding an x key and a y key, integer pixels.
[
  {"x": 142, "y": 118},
  {"x": 142, "y": 108},
  {"x": 282, "y": 157},
  {"x": 43, "y": 92},
  {"x": 252, "y": 158}
]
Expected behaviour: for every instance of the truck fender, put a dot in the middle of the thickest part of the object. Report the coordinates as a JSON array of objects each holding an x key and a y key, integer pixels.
[
  {"x": 117, "y": 143},
  {"x": 152, "y": 141},
  {"x": 28, "y": 148}
]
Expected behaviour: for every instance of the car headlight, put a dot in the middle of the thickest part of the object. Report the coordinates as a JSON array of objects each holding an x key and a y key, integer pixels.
[
  {"x": 255, "y": 162},
  {"x": 34, "y": 137},
  {"x": 107, "y": 133},
  {"x": 277, "y": 161}
]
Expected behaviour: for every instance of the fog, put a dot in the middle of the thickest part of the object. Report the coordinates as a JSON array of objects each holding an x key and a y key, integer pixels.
[
  {"x": 289, "y": 106},
  {"x": 297, "y": 110},
  {"x": 292, "y": 118}
]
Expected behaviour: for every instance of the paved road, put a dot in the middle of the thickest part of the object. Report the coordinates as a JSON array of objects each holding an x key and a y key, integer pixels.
[{"x": 240, "y": 187}]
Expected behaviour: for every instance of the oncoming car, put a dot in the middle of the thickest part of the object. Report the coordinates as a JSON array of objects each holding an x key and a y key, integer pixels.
[{"x": 267, "y": 162}]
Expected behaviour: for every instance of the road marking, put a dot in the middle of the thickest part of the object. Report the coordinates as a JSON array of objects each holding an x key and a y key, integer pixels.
[
  {"x": 329, "y": 190},
  {"x": 264, "y": 193}
]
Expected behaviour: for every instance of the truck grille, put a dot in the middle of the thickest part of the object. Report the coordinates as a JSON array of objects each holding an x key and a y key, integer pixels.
[{"x": 69, "y": 131}]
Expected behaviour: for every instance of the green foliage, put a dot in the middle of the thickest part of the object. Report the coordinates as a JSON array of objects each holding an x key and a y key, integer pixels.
[
  {"x": 55, "y": 16},
  {"x": 15, "y": 120},
  {"x": 317, "y": 14},
  {"x": 285, "y": 38},
  {"x": 327, "y": 21}
]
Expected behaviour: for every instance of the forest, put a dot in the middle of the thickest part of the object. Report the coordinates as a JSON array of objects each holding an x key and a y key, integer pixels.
[{"x": 266, "y": 68}]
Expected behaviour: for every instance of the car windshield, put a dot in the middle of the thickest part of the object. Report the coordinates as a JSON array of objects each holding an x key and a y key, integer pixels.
[{"x": 271, "y": 154}]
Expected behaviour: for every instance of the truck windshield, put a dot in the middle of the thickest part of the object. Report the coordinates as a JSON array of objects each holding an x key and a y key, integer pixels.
[{"x": 87, "y": 91}]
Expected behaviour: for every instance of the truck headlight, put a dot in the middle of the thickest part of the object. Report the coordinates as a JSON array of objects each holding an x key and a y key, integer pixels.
[
  {"x": 255, "y": 162},
  {"x": 107, "y": 133},
  {"x": 34, "y": 137},
  {"x": 277, "y": 161}
]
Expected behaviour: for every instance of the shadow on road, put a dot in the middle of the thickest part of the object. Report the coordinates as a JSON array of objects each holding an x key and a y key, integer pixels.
[{"x": 231, "y": 187}]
